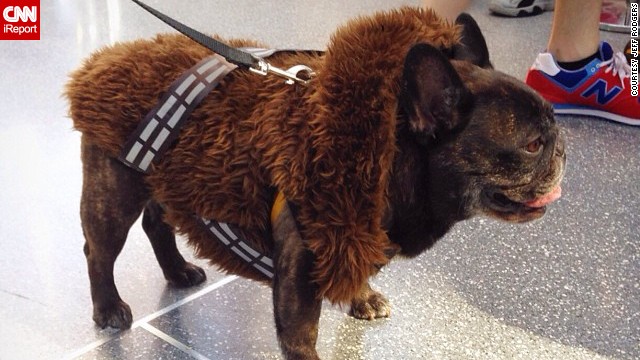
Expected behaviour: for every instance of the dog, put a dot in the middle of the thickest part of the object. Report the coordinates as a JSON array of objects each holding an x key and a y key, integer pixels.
[{"x": 405, "y": 130}]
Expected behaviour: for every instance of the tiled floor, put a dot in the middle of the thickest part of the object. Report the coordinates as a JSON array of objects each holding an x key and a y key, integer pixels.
[{"x": 565, "y": 287}]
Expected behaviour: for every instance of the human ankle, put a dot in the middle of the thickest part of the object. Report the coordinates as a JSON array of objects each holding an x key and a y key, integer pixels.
[{"x": 578, "y": 64}]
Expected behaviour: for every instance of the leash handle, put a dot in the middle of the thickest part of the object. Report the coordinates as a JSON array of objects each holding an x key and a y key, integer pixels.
[{"x": 297, "y": 74}]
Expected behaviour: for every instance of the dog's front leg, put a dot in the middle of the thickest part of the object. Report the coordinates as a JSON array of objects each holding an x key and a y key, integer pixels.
[
  {"x": 295, "y": 298},
  {"x": 369, "y": 304}
]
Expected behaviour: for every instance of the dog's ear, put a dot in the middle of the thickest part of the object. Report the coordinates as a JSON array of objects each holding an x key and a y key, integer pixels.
[
  {"x": 472, "y": 46},
  {"x": 432, "y": 91}
]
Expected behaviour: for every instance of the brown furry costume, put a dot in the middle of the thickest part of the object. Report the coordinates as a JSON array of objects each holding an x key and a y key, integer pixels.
[{"x": 328, "y": 147}]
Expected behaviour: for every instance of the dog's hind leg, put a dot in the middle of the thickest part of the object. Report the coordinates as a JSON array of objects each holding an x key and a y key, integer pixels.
[
  {"x": 295, "y": 298},
  {"x": 113, "y": 197},
  {"x": 176, "y": 270}
]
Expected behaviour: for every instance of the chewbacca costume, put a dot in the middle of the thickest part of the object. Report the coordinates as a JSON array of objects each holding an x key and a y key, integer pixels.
[{"x": 329, "y": 147}]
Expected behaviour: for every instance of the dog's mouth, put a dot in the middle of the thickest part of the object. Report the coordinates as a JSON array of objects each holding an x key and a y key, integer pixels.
[{"x": 499, "y": 205}]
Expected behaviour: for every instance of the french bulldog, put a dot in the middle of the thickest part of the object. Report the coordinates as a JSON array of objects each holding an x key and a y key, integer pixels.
[{"x": 405, "y": 130}]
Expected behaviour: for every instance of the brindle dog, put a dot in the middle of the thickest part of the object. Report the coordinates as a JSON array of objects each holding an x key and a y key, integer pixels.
[{"x": 466, "y": 140}]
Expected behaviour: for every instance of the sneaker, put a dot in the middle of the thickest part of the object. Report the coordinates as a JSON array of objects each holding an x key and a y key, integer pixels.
[
  {"x": 602, "y": 88},
  {"x": 517, "y": 8}
]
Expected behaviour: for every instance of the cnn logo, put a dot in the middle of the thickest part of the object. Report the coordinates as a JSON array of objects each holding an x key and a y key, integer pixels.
[
  {"x": 20, "y": 20},
  {"x": 15, "y": 13}
]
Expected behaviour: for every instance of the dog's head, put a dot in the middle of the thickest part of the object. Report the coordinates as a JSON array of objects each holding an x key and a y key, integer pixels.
[{"x": 493, "y": 145}]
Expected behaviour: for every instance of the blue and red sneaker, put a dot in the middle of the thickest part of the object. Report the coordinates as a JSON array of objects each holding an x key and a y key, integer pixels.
[{"x": 602, "y": 88}]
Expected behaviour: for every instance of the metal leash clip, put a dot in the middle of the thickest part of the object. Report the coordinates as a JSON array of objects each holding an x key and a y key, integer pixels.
[{"x": 300, "y": 74}]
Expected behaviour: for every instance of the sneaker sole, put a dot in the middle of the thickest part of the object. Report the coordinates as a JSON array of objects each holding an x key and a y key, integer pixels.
[
  {"x": 520, "y": 12},
  {"x": 562, "y": 109}
]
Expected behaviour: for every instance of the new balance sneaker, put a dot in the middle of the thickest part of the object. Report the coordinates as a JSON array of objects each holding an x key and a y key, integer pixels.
[
  {"x": 602, "y": 88},
  {"x": 520, "y": 7}
]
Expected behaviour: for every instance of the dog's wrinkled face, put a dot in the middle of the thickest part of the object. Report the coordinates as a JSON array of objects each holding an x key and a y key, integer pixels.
[
  {"x": 493, "y": 145},
  {"x": 511, "y": 149}
]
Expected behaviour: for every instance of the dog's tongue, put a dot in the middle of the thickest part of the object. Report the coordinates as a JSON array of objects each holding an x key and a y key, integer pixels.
[{"x": 543, "y": 200}]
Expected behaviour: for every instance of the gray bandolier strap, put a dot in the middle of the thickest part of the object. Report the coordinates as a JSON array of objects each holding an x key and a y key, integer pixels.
[
  {"x": 161, "y": 127},
  {"x": 227, "y": 234},
  {"x": 162, "y": 124}
]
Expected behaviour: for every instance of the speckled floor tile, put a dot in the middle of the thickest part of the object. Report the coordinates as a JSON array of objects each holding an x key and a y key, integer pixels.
[
  {"x": 564, "y": 287},
  {"x": 135, "y": 344}
]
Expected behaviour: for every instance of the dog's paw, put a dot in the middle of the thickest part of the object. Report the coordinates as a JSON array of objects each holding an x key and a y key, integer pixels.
[
  {"x": 117, "y": 316},
  {"x": 189, "y": 275},
  {"x": 371, "y": 306}
]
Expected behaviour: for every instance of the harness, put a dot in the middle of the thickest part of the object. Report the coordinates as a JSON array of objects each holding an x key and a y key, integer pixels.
[{"x": 161, "y": 126}]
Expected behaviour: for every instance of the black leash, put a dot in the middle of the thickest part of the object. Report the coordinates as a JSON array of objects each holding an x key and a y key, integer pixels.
[{"x": 297, "y": 74}]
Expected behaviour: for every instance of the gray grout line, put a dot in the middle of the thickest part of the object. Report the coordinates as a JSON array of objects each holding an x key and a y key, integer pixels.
[
  {"x": 189, "y": 298},
  {"x": 141, "y": 322},
  {"x": 177, "y": 344},
  {"x": 89, "y": 347}
]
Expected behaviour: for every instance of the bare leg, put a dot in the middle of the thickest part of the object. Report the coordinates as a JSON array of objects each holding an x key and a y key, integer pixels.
[
  {"x": 448, "y": 9},
  {"x": 575, "y": 32}
]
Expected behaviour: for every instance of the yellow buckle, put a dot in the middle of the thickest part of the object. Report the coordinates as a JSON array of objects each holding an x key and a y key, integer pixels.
[{"x": 278, "y": 206}]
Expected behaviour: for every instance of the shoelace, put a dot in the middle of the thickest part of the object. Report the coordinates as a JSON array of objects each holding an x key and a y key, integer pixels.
[{"x": 617, "y": 63}]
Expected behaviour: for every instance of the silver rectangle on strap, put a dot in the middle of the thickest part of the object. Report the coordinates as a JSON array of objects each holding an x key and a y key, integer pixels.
[
  {"x": 185, "y": 84},
  {"x": 263, "y": 270},
  {"x": 241, "y": 254},
  {"x": 144, "y": 164},
  {"x": 133, "y": 153},
  {"x": 166, "y": 106},
  {"x": 219, "y": 235},
  {"x": 202, "y": 69},
  {"x": 162, "y": 136},
  {"x": 215, "y": 74},
  {"x": 176, "y": 116},
  {"x": 148, "y": 129},
  {"x": 267, "y": 261},
  {"x": 196, "y": 90},
  {"x": 248, "y": 249},
  {"x": 227, "y": 229}
]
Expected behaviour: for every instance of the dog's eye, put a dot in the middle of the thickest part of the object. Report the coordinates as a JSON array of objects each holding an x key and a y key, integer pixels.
[{"x": 534, "y": 146}]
